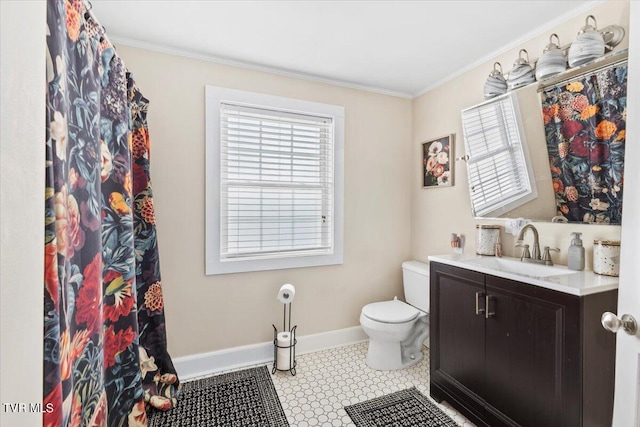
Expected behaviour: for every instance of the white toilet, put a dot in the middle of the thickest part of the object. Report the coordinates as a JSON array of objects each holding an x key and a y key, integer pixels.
[{"x": 397, "y": 329}]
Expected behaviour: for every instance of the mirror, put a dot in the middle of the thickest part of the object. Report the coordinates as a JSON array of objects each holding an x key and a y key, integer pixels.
[{"x": 583, "y": 183}]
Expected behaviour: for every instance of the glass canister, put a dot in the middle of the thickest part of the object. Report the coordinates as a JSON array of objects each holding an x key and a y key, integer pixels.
[
  {"x": 486, "y": 238},
  {"x": 606, "y": 257}
]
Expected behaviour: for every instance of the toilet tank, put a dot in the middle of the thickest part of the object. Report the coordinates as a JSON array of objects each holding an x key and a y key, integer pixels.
[{"x": 415, "y": 277}]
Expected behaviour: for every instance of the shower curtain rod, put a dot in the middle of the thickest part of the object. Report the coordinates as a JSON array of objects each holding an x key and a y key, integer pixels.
[{"x": 607, "y": 63}]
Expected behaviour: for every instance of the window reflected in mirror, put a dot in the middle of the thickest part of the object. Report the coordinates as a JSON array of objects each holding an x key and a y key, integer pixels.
[
  {"x": 499, "y": 170},
  {"x": 552, "y": 151}
]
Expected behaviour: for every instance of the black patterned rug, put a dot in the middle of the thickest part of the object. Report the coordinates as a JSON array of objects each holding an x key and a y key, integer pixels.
[
  {"x": 237, "y": 399},
  {"x": 404, "y": 408}
]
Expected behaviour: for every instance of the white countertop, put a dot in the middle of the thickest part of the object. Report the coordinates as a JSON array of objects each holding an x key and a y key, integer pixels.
[{"x": 573, "y": 282}]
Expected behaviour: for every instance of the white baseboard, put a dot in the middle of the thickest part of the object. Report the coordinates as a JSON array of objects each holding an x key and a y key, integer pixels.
[{"x": 202, "y": 364}]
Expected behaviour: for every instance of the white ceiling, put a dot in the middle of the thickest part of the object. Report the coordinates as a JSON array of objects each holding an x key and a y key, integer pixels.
[{"x": 397, "y": 47}]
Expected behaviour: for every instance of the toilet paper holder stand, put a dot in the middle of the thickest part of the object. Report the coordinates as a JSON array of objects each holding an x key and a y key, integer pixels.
[{"x": 291, "y": 345}]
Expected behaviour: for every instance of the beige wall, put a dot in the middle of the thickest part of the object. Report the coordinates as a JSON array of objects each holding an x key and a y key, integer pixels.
[
  {"x": 438, "y": 212},
  {"x": 207, "y": 313},
  {"x": 22, "y": 207}
]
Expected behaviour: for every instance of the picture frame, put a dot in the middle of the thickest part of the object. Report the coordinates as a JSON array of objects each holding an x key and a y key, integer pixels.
[{"x": 437, "y": 162}]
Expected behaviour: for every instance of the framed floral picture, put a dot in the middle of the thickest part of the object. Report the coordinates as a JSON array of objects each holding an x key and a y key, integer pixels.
[{"x": 437, "y": 167}]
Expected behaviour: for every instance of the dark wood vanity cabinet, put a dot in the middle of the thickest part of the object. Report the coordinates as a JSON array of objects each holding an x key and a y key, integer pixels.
[{"x": 507, "y": 353}]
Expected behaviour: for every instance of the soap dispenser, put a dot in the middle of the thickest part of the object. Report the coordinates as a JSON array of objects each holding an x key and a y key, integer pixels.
[{"x": 576, "y": 253}]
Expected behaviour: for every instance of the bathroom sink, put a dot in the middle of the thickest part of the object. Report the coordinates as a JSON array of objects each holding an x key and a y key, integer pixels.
[
  {"x": 515, "y": 266},
  {"x": 554, "y": 277}
]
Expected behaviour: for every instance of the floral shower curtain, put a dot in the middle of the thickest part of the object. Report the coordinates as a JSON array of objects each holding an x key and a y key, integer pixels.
[
  {"x": 585, "y": 130},
  {"x": 105, "y": 353}
]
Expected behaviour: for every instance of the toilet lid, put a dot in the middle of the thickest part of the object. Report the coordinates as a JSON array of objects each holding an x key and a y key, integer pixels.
[{"x": 390, "y": 311}]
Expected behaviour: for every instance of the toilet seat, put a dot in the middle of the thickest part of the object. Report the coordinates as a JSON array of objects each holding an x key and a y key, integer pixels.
[{"x": 390, "y": 312}]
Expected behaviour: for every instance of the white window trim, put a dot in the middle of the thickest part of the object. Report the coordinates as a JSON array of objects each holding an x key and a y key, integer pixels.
[
  {"x": 497, "y": 211},
  {"x": 215, "y": 96}
]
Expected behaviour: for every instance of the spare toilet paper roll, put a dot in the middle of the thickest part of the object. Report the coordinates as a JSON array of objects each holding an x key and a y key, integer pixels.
[
  {"x": 286, "y": 293},
  {"x": 284, "y": 352}
]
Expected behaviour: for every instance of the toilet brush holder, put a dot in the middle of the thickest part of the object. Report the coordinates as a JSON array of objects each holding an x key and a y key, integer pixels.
[{"x": 284, "y": 345}]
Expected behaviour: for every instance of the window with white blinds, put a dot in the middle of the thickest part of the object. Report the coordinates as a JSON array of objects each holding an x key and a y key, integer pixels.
[
  {"x": 498, "y": 168},
  {"x": 278, "y": 181}
]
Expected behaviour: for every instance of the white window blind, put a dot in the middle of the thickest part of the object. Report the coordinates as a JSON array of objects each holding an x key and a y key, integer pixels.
[
  {"x": 276, "y": 183},
  {"x": 498, "y": 172}
]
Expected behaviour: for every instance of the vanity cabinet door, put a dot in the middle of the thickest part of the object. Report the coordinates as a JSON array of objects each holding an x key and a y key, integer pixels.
[
  {"x": 528, "y": 355},
  {"x": 457, "y": 336}
]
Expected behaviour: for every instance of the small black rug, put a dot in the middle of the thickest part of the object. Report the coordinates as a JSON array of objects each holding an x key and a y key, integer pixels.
[
  {"x": 237, "y": 399},
  {"x": 404, "y": 408}
]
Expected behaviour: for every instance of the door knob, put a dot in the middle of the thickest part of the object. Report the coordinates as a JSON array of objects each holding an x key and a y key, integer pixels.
[{"x": 612, "y": 323}]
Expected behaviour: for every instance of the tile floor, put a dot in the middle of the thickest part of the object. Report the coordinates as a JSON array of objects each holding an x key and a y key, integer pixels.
[{"x": 328, "y": 380}]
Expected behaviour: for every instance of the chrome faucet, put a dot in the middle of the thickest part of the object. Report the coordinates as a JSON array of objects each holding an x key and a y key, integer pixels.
[{"x": 534, "y": 256}]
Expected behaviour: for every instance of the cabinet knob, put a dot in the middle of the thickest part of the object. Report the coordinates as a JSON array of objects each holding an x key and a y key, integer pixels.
[{"x": 612, "y": 323}]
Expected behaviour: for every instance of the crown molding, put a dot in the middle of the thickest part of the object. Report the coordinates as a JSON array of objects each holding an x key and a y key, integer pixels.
[
  {"x": 514, "y": 44},
  {"x": 139, "y": 44},
  {"x": 251, "y": 66}
]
